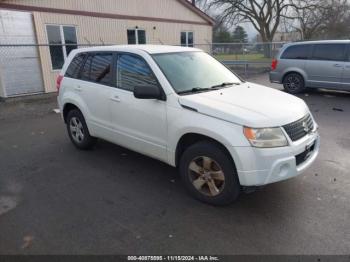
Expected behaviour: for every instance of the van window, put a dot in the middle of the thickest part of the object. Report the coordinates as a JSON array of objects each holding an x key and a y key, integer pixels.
[
  {"x": 329, "y": 52},
  {"x": 75, "y": 66},
  {"x": 98, "y": 68},
  {"x": 133, "y": 71},
  {"x": 297, "y": 52}
]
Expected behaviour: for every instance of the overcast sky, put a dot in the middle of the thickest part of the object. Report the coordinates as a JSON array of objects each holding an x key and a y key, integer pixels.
[{"x": 247, "y": 26}]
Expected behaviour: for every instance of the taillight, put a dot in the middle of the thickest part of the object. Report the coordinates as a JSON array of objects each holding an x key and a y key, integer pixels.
[
  {"x": 58, "y": 82},
  {"x": 274, "y": 64}
]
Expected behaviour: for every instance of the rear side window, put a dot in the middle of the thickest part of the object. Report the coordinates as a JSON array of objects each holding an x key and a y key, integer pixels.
[
  {"x": 101, "y": 68},
  {"x": 329, "y": 52},
  {"x": 98, "y": 68},
  {"x": 85, "y": 72},
  {"x": 75, "y": 66},
  {"x": 297, "y": 52},
  {"x": 133, "y": 71}
]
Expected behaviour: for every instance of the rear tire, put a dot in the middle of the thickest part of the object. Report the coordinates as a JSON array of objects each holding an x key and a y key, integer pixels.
[
  {"x": 209, "y": 174},
  {"x": 294, "y": 83},
  {"x": 78, "y": 131}
]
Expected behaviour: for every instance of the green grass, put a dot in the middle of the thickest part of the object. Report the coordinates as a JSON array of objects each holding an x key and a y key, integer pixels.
[{"x": 240, "y": 57}]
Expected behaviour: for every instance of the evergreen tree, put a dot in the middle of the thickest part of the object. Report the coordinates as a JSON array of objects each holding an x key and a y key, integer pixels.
[{"x": 240, "y": 35}]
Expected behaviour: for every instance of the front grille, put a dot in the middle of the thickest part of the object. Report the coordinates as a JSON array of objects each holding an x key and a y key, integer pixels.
[{"x": 300, "y": 128}]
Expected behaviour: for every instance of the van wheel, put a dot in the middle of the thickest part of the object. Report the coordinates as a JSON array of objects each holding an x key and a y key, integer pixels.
[
  {"x": 78, "y": 131},
  {"x": 294, "y": 83},
  {"x": 209, "y": 174}
]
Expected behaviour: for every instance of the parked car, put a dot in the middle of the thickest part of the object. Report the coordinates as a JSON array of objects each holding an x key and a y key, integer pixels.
[
  {"x": 181, "y": 106},
  {"x": 316, "y": 64}
]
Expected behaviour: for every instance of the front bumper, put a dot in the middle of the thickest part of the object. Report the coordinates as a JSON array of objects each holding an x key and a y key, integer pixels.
[{"x": 257, "y": 167}]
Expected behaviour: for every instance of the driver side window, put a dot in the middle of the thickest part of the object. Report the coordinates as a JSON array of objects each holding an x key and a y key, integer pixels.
[{"x": 133, "y": 71}]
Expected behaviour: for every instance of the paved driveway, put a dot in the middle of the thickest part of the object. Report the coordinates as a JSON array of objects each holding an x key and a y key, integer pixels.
[{"x": 55, "y": 199}]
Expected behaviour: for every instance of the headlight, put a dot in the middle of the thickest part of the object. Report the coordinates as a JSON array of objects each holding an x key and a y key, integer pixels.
[{"x": 266, "y": 137}]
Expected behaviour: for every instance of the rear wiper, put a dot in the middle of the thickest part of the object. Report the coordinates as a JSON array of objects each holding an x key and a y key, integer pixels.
[
  {"x": 225, "y": 84},
  {"x": 197, "y": 90}
]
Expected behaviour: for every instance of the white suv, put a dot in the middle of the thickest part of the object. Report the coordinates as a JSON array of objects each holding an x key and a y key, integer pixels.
[{"x": 181, "y": 106}]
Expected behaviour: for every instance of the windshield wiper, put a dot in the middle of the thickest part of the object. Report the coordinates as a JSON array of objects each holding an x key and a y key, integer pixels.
[
  {"x": 197, "y": 90},
  {"x": 216, "y": 87},
  {"x": 225, "y": 84}
]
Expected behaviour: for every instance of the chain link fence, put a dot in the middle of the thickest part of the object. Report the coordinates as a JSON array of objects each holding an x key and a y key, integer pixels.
[
  {"x": 21, "y": 65},
  {"x": 246, "y": 59}
]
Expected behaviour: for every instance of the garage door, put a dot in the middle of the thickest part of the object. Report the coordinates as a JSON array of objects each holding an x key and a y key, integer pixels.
[{"x": 20, "y": 69}]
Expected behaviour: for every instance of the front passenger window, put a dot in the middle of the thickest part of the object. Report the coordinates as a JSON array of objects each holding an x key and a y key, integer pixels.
[{"x": 133, "y": 71}]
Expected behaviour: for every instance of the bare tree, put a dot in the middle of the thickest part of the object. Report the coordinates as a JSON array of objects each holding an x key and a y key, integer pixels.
[
  {"x": 264, "y": 15},
  {"x": 336, "y": 22},
  {"x": 322, "y": 19}
]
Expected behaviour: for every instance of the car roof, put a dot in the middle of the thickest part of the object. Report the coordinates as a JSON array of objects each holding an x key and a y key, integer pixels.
[
  {"x": 320, "y": 42},
  {"x": 151, "y": 49}
]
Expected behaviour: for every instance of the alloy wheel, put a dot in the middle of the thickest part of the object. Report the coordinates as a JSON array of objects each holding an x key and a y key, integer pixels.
[
  {"x": 207, "y": 176},
  {"x": 293, "y": 83},
  {"x": 77, "y": 130}
]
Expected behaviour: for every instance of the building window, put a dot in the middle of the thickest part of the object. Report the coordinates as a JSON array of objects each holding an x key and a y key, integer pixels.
[
  {"x": 62, "y": 40},
  {"x": 136, "y": 37},
  {"x": 187, "y": 39}
]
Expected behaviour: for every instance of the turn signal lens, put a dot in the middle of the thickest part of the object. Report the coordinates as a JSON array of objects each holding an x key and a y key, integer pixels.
[{"x": 249, "y": 133}]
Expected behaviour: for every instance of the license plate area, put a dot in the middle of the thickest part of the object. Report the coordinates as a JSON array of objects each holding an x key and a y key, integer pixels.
[{"x": 309, "y": 149}]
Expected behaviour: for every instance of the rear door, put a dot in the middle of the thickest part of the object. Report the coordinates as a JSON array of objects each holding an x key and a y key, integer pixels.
[
  {"x": 325, "y": 68},
  {"x": 346, "y": 72},
  {"x": 94, "y": 87}
]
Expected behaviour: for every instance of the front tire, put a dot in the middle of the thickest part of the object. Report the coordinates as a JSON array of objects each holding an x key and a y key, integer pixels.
[
  {"x": 294, "y": 83},
  {"x": 78, "y": 131},
  {"x": 209, "y": 174}
]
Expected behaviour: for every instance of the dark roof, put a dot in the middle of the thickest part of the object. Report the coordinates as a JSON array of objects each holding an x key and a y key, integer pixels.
[{"x": 196, "y": 10}]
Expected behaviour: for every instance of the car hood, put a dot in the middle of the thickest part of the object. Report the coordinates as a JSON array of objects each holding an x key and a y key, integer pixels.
[{"x": 248, "y": 105}]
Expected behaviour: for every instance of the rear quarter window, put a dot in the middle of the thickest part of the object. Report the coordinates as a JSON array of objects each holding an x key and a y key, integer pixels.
[
  {"x": 75, "y": 66},
  {"x": 301, "y": 52}
]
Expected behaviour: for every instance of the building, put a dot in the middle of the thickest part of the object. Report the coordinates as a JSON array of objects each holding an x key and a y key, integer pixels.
[
  {"x": 282, "y": 37},
  {"x": 292, "y": 36},
  {"x": 74, "y": 23}
]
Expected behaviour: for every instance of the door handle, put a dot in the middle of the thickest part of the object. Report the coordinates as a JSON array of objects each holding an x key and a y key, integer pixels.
[
  {"x": 115, "y": 98},
  {"x": 78, "y": 88},
  {"x": 337, "y": 65}
]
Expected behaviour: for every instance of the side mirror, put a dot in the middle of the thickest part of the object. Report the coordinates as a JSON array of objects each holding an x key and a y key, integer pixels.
[{"x": 147, "y": 92}]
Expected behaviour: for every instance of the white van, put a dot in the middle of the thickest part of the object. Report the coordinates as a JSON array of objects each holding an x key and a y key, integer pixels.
[{"x": 181, "y": 106}]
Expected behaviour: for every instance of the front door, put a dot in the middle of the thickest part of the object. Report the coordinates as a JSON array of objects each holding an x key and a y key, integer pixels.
[
  {"x": 140, "y": 125},
  {"x": 326, "y": 66}
]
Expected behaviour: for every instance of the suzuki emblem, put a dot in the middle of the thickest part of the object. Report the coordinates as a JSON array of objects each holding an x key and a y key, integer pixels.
[{"x": 306, "y": 127}]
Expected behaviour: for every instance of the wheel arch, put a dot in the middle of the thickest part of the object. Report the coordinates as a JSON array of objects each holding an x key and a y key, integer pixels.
[
  {"x": 67, "y": 108},
  {"x": 189, "y": 139},
  {"x": 294, "y": 71}
]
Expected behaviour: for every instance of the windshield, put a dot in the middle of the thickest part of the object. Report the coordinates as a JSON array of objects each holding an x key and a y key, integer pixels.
[{"x": 194, "y": 70}]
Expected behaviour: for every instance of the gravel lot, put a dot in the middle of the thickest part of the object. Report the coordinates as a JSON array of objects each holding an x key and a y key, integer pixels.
[{"x": 55, "y": 199}]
